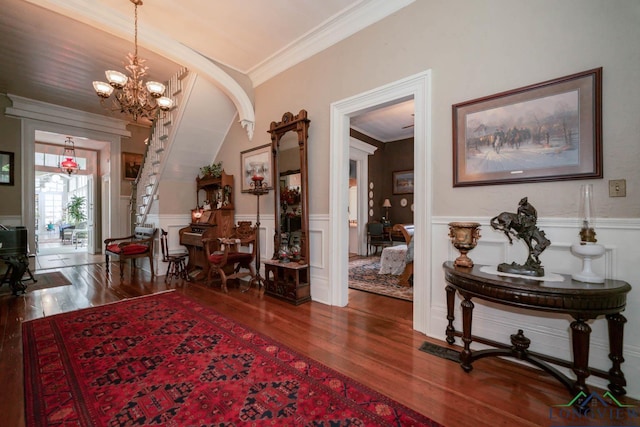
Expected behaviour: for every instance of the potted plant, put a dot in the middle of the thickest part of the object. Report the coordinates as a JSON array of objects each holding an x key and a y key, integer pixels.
[
  {"x": 75, "y": 209},
  {"x": 213, "y": 170}
]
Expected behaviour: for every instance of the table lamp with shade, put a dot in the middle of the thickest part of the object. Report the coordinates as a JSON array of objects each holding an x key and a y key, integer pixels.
[
  {"x": 588, "y": 248},
  {"x": 386, "y": 204}
]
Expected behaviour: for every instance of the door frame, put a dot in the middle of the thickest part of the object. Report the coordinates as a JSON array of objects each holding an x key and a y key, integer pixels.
[
  {"x": 39, "y": 116},
  {"x": 417, "y": 86},
  {"x": 360, "y": 151}
]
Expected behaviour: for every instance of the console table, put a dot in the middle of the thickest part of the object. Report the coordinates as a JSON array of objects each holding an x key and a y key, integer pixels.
[{"x": 582, "y": 301}]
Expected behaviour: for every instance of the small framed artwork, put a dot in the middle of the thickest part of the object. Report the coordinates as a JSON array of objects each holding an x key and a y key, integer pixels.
[
  {"x": 256, "y": 161},
  {"x": 131, "y": 164},
  {"x": 7, "y": 170},
  {"x": 403, "y": 182},
  {"x": 548, "y": 131}
]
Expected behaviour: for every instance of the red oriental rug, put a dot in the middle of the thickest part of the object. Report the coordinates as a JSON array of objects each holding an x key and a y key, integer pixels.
[{"x": 166, "y": 360}]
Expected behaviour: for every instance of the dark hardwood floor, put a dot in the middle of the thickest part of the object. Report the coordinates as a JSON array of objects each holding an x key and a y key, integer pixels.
[{"x": 371, "y": 341}]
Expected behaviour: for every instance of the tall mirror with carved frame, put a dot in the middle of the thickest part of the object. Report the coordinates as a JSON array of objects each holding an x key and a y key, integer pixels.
[{"x": 288, "y": 272}]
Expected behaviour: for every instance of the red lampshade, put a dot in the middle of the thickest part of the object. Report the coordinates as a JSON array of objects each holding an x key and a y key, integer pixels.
[{"x": 69, "y": 166}]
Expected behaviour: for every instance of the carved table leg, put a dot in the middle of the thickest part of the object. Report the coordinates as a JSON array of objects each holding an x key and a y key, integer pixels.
[
  {"x": 616, "y": 334},
  {"x": 467, "y": 317},
  {"x": 451, "y": 296},
  {"x": 580, "y": 333}
]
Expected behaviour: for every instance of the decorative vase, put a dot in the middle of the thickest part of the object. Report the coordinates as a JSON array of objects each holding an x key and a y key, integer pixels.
[{"x": 464, "y": 237}]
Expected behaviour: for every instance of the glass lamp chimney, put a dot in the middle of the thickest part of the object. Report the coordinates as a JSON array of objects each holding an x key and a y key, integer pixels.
[{"x": 587, "y": 232}]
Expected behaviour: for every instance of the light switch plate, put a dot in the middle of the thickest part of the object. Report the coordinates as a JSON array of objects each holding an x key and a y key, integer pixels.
[{"x": 618, "y": 188}]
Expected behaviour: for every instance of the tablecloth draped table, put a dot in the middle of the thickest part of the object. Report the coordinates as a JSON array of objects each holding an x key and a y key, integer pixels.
[{"x": 393, "y": 260}]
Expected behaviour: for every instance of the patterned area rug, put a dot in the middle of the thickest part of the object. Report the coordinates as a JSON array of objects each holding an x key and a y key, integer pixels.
[
  {"x": 363, "y": 275},
  {"x": 164, "y": 359},
  {"x": 43, "y": 281}
]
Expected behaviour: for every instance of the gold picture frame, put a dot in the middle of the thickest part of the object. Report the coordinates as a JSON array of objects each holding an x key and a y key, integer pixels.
[
  {"x": 131, "y": 164},
  {"x": 547, "y": 131},
  {"x": 262, "y": 155},
  {"x": 403, "y": 182}
]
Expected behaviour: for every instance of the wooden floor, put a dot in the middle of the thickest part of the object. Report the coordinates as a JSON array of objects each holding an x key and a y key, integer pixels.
[{"x": 371, "y": 341}]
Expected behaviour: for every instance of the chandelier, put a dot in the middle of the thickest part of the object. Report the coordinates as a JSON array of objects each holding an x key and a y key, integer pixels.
[
  {"x": 69, "y": 165},
  {"x": 132, "y": 95}
]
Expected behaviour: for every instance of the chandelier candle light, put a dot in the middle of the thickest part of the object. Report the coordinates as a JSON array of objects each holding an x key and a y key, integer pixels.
[
  {"x": 588, "y": 248},
  {"x": 69, "y": 165},
  {"x": 133, "y": 96}
]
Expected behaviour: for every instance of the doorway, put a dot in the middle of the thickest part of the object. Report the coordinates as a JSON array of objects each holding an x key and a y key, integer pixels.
[
  {"x": 419, "y": 87},
  {"x": 64, "y": 215}
]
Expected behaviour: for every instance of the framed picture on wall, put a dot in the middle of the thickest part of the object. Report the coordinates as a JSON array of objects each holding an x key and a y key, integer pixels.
[
  {"x": 548, "y": 131},
  {"x": 256, "y": 160},
  {"x": 402, "y": 182},
  {"x": 7, "y": 171},
  {"x": 131, "y": 164}
]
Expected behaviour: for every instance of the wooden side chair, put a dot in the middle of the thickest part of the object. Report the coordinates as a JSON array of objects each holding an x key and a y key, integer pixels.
[
  {"x": 376, "y": 237},
  {"x": 177, "y": 262},
  {"x": 225, "y": 257},
  {"x": 138, "y": 245}
]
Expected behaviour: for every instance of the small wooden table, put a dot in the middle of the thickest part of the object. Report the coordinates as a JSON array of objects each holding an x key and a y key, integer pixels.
[
  {"x": 582, "y": 301},
  {"x": 288, "y": 281}
]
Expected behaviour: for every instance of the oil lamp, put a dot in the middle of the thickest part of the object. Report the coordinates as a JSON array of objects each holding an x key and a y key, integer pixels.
[{"x": 587, "y": 249}]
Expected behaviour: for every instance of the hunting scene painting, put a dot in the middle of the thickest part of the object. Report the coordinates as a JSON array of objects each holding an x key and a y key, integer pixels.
[{"x": 547, "y": 132}]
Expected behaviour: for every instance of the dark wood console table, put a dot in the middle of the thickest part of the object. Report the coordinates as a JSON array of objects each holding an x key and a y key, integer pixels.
[{"x": 582, "y": 301}]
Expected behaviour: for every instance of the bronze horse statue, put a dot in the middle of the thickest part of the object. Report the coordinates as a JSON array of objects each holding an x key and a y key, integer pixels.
[{"x": 522, "y": 225}]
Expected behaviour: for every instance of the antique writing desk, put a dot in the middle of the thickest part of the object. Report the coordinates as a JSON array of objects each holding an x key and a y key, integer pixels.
[{"x": 582, "y": 301}]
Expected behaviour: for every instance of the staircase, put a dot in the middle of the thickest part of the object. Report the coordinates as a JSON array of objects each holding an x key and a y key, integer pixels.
[{"x": 158, "y": 144}]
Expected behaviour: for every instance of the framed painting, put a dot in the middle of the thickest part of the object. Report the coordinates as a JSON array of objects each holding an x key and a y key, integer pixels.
[
  {"x": 402, "y": 182},
  {"x": 131, "y": 164},
  {"x": 548, "y": 131},
  {"x": 256, "y": 161},
  {"x": 7, "y": 168}
]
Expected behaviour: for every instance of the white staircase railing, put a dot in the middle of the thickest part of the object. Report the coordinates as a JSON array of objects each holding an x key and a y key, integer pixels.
[{"x": 162, "y": 135}]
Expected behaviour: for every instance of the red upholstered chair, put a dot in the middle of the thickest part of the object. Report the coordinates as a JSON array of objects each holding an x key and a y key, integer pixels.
[
  {"x": 225, "y": 257},
  {"x": 138, "y": 245}
]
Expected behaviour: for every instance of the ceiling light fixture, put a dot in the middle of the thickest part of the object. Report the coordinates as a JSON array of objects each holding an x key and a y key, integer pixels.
[
  {"x": 69, "y": 165},
  {"x": 133, "y": 96}
]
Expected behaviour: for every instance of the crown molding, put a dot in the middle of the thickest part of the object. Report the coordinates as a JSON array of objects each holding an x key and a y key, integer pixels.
[
  {"x": 25, "y": 108},
  {"x": 330, "y": 32}
]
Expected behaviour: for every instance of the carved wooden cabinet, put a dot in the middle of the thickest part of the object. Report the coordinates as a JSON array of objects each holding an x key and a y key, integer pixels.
[
  {"x": 287, "y": 281},
  {"x": 218, "y": 191},
  {"x": 217, "y": 221}
]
